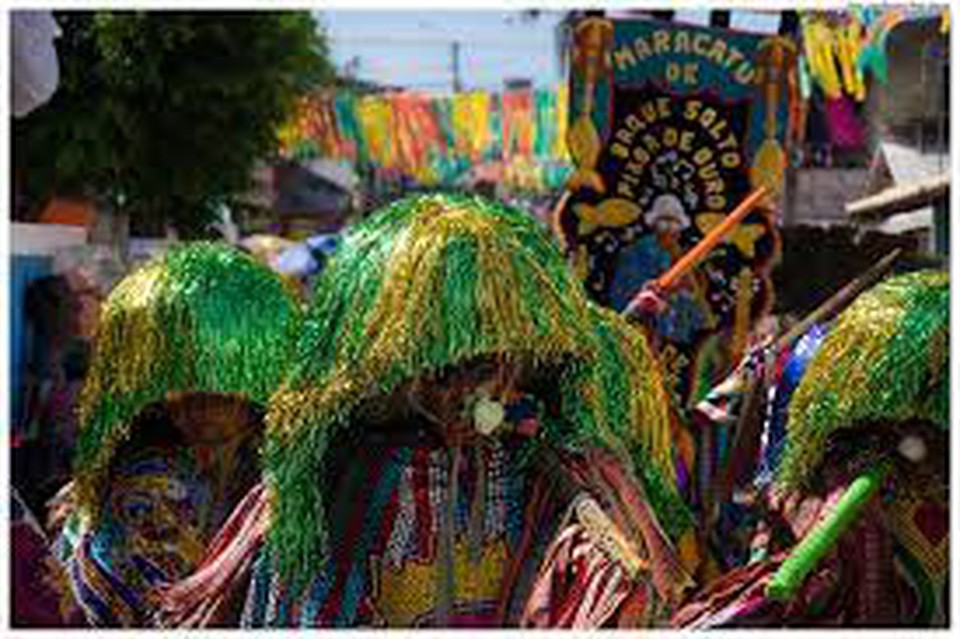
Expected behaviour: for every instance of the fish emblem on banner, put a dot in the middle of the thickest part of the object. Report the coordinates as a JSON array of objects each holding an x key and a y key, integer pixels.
[{"x": 673, "y": 125}]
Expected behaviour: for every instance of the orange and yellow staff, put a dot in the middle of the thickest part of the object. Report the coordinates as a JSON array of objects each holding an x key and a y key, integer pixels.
[{"x": 650, "y": 300}]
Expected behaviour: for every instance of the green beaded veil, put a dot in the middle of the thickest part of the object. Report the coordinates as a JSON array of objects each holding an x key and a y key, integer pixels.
[
  {"x": 202, "y": 317},
  {"x": 886, "y": 359},
  {"x": 430, "y": 282}
]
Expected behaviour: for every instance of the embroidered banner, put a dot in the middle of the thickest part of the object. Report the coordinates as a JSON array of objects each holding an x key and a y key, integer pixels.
[{"x": 671, "y": 126}]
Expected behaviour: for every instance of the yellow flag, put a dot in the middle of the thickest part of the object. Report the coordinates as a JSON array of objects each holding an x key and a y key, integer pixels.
[
  {"x": 471, "y": 125},
  {"x": 560, "y": 149},
  {"x": 377, "y": 122}
]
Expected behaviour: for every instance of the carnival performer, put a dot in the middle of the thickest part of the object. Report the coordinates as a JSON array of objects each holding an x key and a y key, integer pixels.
[
  {"x": 188, "y": 350},
  {"x": 857, "y": 534},
  {"x": 456, "y": 444}
]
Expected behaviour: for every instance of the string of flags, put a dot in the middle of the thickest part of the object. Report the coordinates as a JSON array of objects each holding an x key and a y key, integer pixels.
[
  {"x": 840, "y": 49},
  {"x": 437, "y": 140}
]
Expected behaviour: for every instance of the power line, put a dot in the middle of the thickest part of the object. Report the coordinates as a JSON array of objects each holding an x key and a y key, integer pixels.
[
  {"x": 435, "y": 42},
  {"x": 538, "y": 54},
  {"x": 428, "y": 64}
]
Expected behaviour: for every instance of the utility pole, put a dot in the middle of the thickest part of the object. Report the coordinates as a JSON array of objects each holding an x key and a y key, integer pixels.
[
  {"x": 351, "y": 68},
  {"x": 455, "y": 65},
  {"x": 789, "y": 28}
]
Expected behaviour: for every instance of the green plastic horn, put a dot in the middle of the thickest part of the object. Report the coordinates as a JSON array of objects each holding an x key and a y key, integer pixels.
[{"x": 824, "y": 536}]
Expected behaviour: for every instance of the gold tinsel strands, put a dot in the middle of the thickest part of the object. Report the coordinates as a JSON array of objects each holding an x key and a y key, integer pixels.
[
  {"x": 884, "y": 361},
  {"x": 635, "y": 414},
  {"x": 633, "y": 387},
  {"x": 435, "y": 281},
  {"x": 203, "y": 317}
]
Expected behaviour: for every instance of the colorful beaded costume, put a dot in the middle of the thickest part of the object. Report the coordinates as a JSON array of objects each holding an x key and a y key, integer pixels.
[
  {"x": 201, "y": 321},
  {"x": 878, "y": 381},
  {"x": 376, "y": 523}
]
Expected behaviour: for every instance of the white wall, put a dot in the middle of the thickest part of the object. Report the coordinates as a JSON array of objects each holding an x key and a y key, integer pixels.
[{"x": 44, "y": 239}]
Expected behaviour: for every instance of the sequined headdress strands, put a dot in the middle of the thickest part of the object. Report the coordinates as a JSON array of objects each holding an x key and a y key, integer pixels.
[
  {"x": 619, "y": 399},
  {"x": 203, "y": 317},
  {"x": 427, "y": 283},
  {"x": 886, "y": 360}
]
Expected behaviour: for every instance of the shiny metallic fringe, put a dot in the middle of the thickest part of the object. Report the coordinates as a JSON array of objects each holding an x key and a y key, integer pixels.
[
  {"x": 885, "y": 360},
  {"x": 203, "y": 317},
  {"x": 430, "y": 282}
]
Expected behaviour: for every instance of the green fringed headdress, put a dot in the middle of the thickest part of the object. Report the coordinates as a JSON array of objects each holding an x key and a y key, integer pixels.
[
  {"x": 203, "y": 317},
  {"x": 428, "y": 283},
  {"x": 618, "y": 399},
  {"x": 885, "y": 360}
]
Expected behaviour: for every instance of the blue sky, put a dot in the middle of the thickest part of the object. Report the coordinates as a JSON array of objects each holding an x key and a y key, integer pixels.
[{"x": 412, "y": 48}]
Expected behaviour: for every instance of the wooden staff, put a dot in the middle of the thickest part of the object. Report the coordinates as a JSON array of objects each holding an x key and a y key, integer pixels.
[
  {"x": 746, "y": 439},
  {"x": 837, "y": 302},
  {"x": 693, "y": 257},
  {"x": 555, "y": 222},
  {"x": 637, "y": 307}
]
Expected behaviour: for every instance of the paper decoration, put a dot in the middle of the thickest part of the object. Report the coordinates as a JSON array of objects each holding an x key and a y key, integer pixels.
[{"x": 437, "y": 140}]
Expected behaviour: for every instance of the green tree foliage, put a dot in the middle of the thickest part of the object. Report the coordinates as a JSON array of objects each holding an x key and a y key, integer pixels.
[{"x": 164, "y": 113}]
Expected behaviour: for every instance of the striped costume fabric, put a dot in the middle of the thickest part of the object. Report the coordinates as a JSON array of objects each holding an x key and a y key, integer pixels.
[
  {"x": 149, "y": 533},
  {"x": 512, "y": 553}
]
